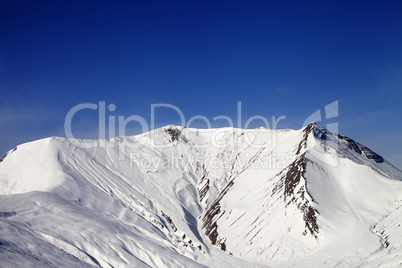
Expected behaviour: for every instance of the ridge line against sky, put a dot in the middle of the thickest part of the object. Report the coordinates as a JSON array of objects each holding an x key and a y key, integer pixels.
[{"x": 277, "y": 58}]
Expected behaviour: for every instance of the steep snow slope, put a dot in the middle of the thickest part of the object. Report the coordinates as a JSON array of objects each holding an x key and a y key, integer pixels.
[
  {"x": 320, "y": 208},
  {"x": 177, "y": 197}
]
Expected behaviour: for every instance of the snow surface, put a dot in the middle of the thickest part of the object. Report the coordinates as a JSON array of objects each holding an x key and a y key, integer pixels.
[{"x": 179, "y": 197}]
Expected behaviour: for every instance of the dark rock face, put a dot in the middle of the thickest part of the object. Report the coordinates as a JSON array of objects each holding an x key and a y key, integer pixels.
[
  {"x": 176, "y": 135},
  {"x": 4, "y": 157},
  {"x": 6, "y": 154},
  {"x": 318, "y": 132},
  {"x": 209, "y": 221},
  {"x": 350, "y": 143},
  {"x": 169, "y": 220},
  {"x": 360, "y": 149},
  {"x": 203, "y": 190},
  {"x": 291, "y": 177},
  {"x": 303, "y": 142},
  {"x": 321, "y": 133}
]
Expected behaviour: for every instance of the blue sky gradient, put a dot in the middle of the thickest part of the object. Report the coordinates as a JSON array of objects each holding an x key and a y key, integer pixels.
[{"x": 276, "y": 57}]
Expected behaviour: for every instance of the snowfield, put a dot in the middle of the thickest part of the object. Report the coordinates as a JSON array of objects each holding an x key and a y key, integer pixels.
[{"x": 179, "y": 197}]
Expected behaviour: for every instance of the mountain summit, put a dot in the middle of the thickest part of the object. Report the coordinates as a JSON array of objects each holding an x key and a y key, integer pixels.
[{"x": 181, "y": 197}]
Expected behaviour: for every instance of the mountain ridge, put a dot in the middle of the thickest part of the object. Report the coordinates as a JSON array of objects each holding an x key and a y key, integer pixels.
[{"x": 228, "y": 197}]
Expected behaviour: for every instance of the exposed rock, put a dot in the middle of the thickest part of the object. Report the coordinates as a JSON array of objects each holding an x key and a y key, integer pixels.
[
  {"x": 303, "y": 142},
  {"x": 209, "y": 221},
  {"x": 6, "y": 154},
  {"x": 360, "y": 149},
  {"x": 202, "y": 191},
  {"x": 288, "y": 183},
  {"x": 169, "y": 220},
  {"x": 176, "y": 135},
  {"x": 321, "y": 133}
]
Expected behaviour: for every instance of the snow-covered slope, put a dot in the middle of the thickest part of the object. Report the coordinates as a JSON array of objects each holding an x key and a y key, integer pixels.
[{"x": 179, "y": 197}]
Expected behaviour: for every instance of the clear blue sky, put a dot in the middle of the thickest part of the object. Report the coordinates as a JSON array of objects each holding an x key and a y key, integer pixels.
[{"x": 276, "y": 57}]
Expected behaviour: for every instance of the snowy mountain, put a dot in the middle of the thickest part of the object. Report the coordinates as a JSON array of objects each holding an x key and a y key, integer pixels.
[{"x": 179, "y": 197}]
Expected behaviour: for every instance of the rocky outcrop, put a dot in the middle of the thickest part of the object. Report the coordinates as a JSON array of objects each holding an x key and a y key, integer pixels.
[
  {"x": 292, "y": 179},
  {"x": 360, "y": 149},
  {"x": 212, "y": 215},
  {"x": 176, "y": 135},
  {"x": 6, "y": 154},
  {"x": 203, "y": 185},
  {"x": 169, "y": 220}
]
